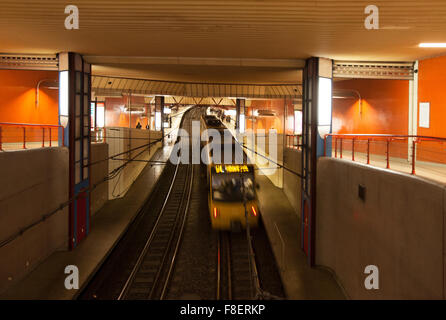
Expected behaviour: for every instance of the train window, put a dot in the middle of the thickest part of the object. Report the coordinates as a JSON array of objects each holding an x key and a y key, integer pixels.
[{"x": 230, "y": 187}]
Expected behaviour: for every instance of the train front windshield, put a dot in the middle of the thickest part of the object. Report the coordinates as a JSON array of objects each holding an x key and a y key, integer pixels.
[{"x": 230, "y": 187}]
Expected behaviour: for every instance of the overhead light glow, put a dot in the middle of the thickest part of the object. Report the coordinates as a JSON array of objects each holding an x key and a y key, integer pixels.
[{"x": 433, "y": 45}]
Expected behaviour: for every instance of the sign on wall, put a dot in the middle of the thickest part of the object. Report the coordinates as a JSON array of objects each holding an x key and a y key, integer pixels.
[{"x": 424, "y": 114}]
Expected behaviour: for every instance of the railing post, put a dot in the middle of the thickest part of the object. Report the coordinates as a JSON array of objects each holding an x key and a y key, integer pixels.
[
  {"x": 24, "y": 137},
  {"x": 388, "y": 154},
  {"x": 413, "y": 155},
  {"x": 368, "y": 151},
  {"x": 353, "y": 149},
  {"x": 340, "y": 151},
  {"x": 43, "y": 137},
  {"x": 325, "y": 145},
  {"x": 50, "y": 136},
  {"x": 336, "y": 147},
  {"x": 1, "y": 139},
  {"x": 63, "y": 137}
]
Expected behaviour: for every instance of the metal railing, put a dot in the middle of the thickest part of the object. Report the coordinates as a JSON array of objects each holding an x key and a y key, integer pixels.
[
  {"x": 293, "y": 141},
  {"x": 98, "y": 135},
  {"x": 15, "y": 136},
  {"x": 411, "y": 148}
]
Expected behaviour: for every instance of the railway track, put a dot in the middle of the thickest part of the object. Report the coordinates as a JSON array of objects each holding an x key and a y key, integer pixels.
[
  {"x": 151, "y": 274},
  {"x": 236, "y": 268}
]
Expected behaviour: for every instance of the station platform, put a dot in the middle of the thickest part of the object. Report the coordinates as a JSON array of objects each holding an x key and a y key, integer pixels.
[
  {"x": 300, "y": 281},
  {"x": 428, "y": 170},
  {"x": 46, "y": 282}
]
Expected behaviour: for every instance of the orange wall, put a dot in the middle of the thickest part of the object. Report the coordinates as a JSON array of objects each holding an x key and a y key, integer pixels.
[
  {"x": 385, "y": 110},
  {"x": 385, "y": 107},
  {"x": 267, "y": 123},
  {"x": 18, "y": 104},
  {"x": 115, "y": 116},
  {"x": 18, "y": 96},
  {"x": 431, "y": 88}
]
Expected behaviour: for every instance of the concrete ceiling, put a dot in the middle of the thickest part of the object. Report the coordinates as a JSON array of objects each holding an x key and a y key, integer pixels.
[{"x": 222, "y": 29}]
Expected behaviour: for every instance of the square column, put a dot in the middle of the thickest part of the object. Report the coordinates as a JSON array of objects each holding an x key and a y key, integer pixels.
[
  {"x": 316, "y": 123},
  {"x": 75, "y": 117}
]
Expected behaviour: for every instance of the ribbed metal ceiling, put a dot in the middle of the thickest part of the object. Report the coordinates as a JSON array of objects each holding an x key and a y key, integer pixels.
[
  {"x": 111, "y": 85},
  {"x": 225, "y": 28}
]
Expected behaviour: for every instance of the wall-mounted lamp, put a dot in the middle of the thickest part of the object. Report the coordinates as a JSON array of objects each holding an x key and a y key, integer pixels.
[
  {"x": 348, "y": 94},
  {"x": 48, "y": 84}
]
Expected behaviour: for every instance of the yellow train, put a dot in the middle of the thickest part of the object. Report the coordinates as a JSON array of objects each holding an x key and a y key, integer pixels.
[{"x": 232, "y": 195}]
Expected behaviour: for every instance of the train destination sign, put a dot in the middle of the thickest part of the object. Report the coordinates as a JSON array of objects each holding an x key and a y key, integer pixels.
[{"x": 232, "y": 168}]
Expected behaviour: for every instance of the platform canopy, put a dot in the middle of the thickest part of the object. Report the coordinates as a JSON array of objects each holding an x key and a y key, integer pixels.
[{"x": 104, "y": 86}]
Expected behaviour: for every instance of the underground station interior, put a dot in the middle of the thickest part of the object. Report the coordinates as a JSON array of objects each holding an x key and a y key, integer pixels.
[{"x": 215, "y": 150}]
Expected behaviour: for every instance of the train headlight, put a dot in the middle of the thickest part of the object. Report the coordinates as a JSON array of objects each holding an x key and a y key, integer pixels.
[{"x": 215, "y": 212}]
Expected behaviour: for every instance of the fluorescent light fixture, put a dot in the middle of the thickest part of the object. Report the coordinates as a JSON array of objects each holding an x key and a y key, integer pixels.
[
  {"x": 242, "y": 123},
  {"x": 297, "y": 122},
  {"x": 92, "y": 113},
  {"x": 157, "y": 120},
  {"x": 324, "y": 101},
  {"x": 230, "y": 112},
  {"x": 63, "y": 93},
  {"x": 100, "y": 111},
  {"x": 433, "y": 45}
]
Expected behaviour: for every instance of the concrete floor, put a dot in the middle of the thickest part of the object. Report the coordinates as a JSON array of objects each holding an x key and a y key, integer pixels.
[
  {"x": 17, "y": 146},
  {"x": 429, "y": 170},
  {"x": 283, "y": 228}
]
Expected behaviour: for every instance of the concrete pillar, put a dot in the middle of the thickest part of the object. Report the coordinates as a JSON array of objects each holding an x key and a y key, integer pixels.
[
  {"x": 317, "y": 122},
  {"x": 75, "y": 116},
  {"x": 240, "y": 115},
  {"x": 159, "y": 107}
]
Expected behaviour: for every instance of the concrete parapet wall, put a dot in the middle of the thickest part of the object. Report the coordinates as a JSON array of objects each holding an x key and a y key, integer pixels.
[
  {"x": 99, "y": 171},
  {"x": 120, "y": 141},
  {"x": 291, "y": 182},
  {"x": 399, "y": 228},
  {"x": 33, "y": 183}
]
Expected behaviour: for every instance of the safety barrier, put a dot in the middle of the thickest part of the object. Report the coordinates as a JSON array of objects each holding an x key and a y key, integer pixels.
[
  {"x": 98, "y": 135},
  {"x": 15, "y": 136},
  {"x": 406, "y": 149},
  {"x": 294, "y": 141}
]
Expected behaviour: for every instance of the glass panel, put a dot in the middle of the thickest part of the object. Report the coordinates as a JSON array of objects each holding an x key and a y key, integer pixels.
[
  {"x": 78, "y": 105},
  {"x": 86, "y": 83}
]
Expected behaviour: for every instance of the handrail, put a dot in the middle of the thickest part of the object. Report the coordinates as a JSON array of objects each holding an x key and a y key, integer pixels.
[
  {"x": 31, "y": 125},
  {"x": 388, "y": 138},
  {"x": 384, "y": 136}
]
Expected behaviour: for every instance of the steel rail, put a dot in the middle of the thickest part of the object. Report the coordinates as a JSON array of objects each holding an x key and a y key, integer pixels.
[
  {"x": 178, "y": 223},
  {"x": 149, "y": 240},
  {"x": 180, "y": 236}
]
